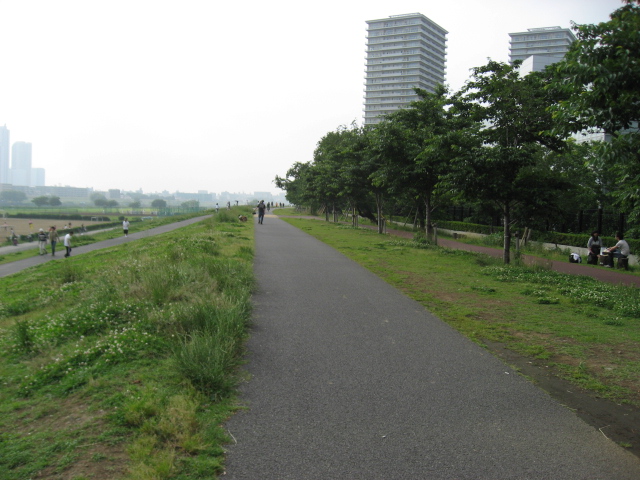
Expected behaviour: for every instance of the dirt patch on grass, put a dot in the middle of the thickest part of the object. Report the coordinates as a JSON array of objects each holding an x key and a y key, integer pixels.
[
  {"x": 21, "y": 225},
  {"x": 92, "y": 457},
  {"x": 620, "y": 423}
]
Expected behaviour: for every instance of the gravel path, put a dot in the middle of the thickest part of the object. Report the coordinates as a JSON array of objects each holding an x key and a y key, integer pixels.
[{"x": 350, "y": 379}]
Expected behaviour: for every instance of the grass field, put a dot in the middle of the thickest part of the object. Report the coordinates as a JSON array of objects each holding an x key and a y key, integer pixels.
[{"x": 121, "y": 363}]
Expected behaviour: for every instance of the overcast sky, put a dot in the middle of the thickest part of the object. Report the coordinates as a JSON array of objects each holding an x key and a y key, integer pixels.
[{"x": 191, "y": 95}]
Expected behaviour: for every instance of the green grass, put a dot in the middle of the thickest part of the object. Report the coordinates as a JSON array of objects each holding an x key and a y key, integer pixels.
[
  {"x": 122, "y": 363},
  {"x": 583, "y": 330}
]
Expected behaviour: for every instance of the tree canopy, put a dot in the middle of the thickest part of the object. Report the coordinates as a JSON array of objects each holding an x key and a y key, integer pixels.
[
  {"x": 501, "y": 143},
  {"x": 600, "y": 77}
]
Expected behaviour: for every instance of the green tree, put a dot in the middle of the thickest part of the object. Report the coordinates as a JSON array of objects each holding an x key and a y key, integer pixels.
[
  {"x": 601, "y": 77},
  {"x": 40, "y": 201},
  {"x": 98, "y": 199},
  {"x": 190, "y": 204},
  {"x": 416, "y": 145},
  {"x": 135, "y": 204},
  {"x": 111, "y": 203},
  {"x": 159, "y": 203},
  {"x": 54, "y": 201},
  {"x": 12, "y": 196},
  {"x": 511, "y": 132}
]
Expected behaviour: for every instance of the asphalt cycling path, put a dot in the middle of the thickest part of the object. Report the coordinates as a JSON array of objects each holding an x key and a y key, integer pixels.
[
  {"x": 350, "y": 379},
  {"x": 14, "y": 267}
]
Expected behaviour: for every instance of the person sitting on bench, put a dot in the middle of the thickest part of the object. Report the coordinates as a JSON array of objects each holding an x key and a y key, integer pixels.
[
  {"x": 593, "y": 246},
  {"x": 619, "y": 250}
]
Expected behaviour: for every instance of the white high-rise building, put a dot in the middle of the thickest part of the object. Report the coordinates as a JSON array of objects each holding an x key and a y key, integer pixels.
[
  {"x": 37, "y": 177},
  {"x": 403, "y": 52},
  {"x": 539, "y": 47},
  {"x": 4, "y": 155},
  {"x": 21, "y": 164}
]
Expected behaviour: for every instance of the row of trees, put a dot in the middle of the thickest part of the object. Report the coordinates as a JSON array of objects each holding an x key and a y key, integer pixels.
[{"x": 502, "y": 143}]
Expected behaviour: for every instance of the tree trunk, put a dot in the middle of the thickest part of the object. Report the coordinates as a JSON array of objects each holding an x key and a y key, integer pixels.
[
  {"x": 428, "y": 228},
  {"x": 379, "y": 212},
  {"x": 507, "y": 235}
]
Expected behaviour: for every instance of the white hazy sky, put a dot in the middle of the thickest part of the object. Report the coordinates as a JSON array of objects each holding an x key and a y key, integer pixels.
[{"x": 188, "y": 95}]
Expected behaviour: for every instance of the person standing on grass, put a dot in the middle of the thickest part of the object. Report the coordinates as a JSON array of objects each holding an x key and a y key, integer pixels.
[
  {"x": 125, "y": 227},
  {"x": 67, "y": 243},
  {"x": 42, "y": 242},
  {"x": 53, "y": 238}
]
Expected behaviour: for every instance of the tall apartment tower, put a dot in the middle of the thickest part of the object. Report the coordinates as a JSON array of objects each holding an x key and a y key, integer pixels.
[
  {"x": 4, "y": 155},
  {"x": 21, "y": 164},
  {"x": 539, "y": 47},
  {"x": 403, "y": 52}
]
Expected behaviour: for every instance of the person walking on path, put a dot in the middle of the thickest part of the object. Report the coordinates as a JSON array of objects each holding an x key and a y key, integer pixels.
[
  {"x": 42, "y": 242},
  {"x": 67, "y": 243},
  {"x": 125, "y": 227},
  {"x": 54, "y": 238},
  {"x": 261, "y": 207}
]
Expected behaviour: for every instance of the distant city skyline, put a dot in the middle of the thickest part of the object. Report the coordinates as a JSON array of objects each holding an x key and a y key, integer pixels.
[{"x": 211, "y": 96}]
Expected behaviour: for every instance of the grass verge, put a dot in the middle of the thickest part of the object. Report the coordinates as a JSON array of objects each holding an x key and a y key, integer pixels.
[{"x": 121, "y": 363}]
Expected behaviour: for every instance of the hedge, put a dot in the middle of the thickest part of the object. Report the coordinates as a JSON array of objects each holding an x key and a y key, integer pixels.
[{"x": 569, "y": 239}]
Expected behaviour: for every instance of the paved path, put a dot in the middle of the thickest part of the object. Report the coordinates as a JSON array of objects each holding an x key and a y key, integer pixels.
[
  {"x": 350, "y": 379},
  {"x": 14, "y": 267}
]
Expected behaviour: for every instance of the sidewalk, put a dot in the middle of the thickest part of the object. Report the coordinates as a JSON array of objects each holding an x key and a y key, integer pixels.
[{"x": 351, "y": 379}]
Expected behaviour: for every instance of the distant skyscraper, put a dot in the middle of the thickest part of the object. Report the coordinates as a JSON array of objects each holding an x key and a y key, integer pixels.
[
  {"x": 539, "y": 47},
  {"x": 403, "y": 52},
  {"x": 37, "y": 177},
  {"x": 4, "y": 154},
  {"x": 21, "y": 164}
]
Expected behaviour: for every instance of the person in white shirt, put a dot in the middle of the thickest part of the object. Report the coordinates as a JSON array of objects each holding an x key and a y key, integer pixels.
[
  {"x": 67, "y": 243},
  {"x": 619, "y": 250},
  {"x": 125, "y": 227}
]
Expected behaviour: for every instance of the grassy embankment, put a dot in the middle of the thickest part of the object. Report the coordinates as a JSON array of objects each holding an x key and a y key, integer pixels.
[
  {"x": 121, "y": 363},
  {"x": 583, "y": 330},
  {"x": 111, "y": 231}
]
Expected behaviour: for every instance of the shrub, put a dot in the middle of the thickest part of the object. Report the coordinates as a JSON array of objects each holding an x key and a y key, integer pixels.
[{"x": 226, "y": 216}]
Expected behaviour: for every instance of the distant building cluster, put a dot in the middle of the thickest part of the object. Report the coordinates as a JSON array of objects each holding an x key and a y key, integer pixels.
[
  {"x": 18, "y": 174},
  {"x": 409, "y": 51},
  {"x": 16, "y": 169}
]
